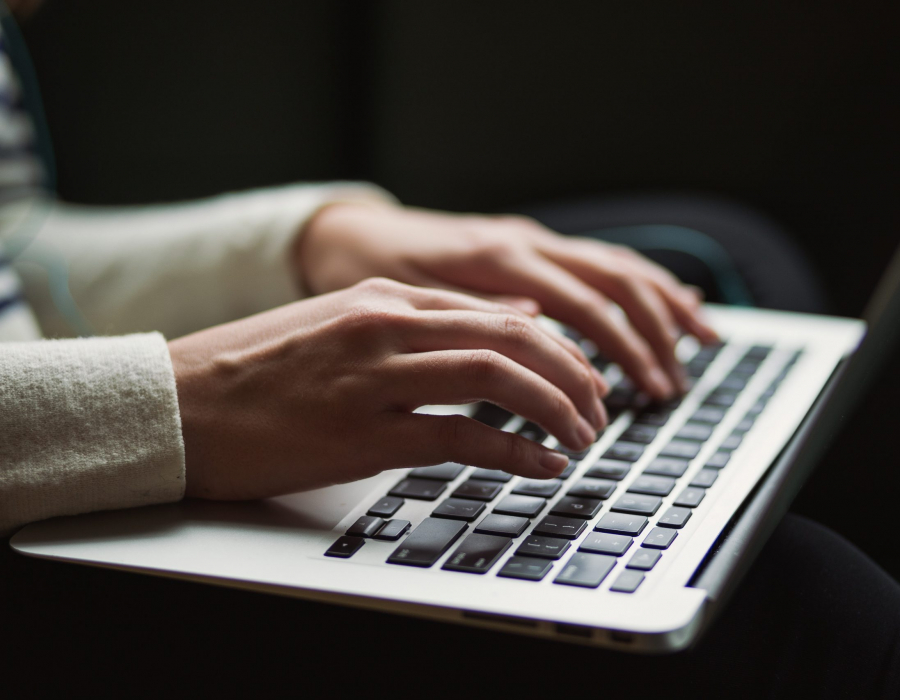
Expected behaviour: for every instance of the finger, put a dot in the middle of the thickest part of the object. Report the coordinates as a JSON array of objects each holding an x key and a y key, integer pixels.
[
  {"x": 465, "y": 376},
  {"x": 522, "y": 341},
  {"x": 571, "y": 301},
  {"x": 424, "y": 439},
  {"x": 524, "y": 304}
]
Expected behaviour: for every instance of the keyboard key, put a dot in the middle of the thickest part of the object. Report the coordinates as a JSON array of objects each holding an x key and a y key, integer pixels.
[
  {"x": 568, "y": 471},
  {"x": 708, "y": 414},
  {"x": 683, "y": 449},
  {"x": 573, "y": 455},
  {"x": 576, "y": 507},
  {"x": 705, "y": 478},
  {"x": 447, "y": 471},
  {"x": 709, "y": 352},
  {"x": 694, "y": 431},
  {"x": 609, "y": 469},
  {"x": 543, "y": 547},
  {"x": 637, "y": 504},
  {"x": 365, "y": 526},
  {"x": 502, "y": 525},
  {"x": 393, "y": 530},
  {"x": 642, "y": 434},
  {"x": 532, "y": 431},
  {"x": 758, "y": 352},
  {"x": 625, "y": 451},
  {"x": 659, "y": 538},
  {"x": 419, "y": 489},
  {"x": 732, "y": 442},
  {"x": 525, "y": 506},
  {"x": 556, "y": 526},
  {"x": 545, "y": 488},
  {"x": 655, "y": 416},
  {"x": 592, "y": 488},
  {"x": 477, "y": 553},
  {"x": 690, "y": 497},
  {"x": 491, "y": 415},
  {"x": 606, "y": 543},
  {"x": 757, "y": 408},
  {"x": 667, "y": 466},
  {"x": 744, "y": 425},
  {"x": 733, "y": 383},
  {"x": 458, "y": 509},
  {"x": 622, "y": 524},
  {"x": 386, "y": 507},
  {"x": 478, "y": 490},
  {"x": 428, "y": 542},
  {"x": 627, "y": 582},
  {"x": 586, "y": 570},
  {"x": 644, "y": 559},
  {"x": 675, "y": 517},
  {"x": 490, "y": 475},
  {"x": 652, "y": 485},
  {"x": 723, "y": 399},
  {"x": 744, "y": 369},
  {"x": 718, "y": 461},
  {"x": 525, "y": 568},
  {"x": 622, "y": 396},
  {"x": 345, "y": 547}
]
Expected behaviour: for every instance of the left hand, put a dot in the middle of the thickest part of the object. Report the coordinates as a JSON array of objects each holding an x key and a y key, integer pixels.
[{"x": 518, "y": 261}]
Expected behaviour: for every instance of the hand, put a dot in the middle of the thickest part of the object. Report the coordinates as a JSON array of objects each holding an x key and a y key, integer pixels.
[
  {"x": 323, "y": 391},
  {"x": 571, "y": 279}
]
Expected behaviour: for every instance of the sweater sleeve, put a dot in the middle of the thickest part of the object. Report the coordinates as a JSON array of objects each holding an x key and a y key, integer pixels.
[
  {"x": 87, "y": 424},
  {"x": 175, "y": 268}
]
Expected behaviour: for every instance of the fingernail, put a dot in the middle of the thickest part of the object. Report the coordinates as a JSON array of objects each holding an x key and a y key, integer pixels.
[
  {"x": 585, "y": 432},
  {"x": 661, "y": 383},
  {"x": 602, "y": 417},
  {"x": 554, "y": 462}
]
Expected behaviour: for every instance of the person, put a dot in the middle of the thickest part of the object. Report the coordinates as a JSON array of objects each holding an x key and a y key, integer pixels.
[{"x": 257, "y": 393}]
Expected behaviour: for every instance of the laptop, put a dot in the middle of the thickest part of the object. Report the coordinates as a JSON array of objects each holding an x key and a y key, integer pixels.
[{"x": 636, "y": 546}]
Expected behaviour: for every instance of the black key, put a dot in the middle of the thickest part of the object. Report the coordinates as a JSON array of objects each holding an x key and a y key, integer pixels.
[
  {"x": 490, "y": 475},
  {"x": 732, "y": 442},
  {"x": 682, "y": 449},
  {"x": 723, "y": 399},
  {"x": 718, "y": 461},
  {"x": 345, "y": 547},
  {"x": 502, "y": 525},
  {"x": 419, "y": 489},
  {"x": 757, "y": 408},
  {"x": 758, "y": 352},
  {"x": 637, "y": 504},
  {"x": 586, "y": 570},
  {"x": 525, "y": 568},
  {"x": 525, "y": 506},
  {"x": 733, "y": 383},
  {"x": 393, "y": 530},
  {"x": 690, "y": 497},
  {"x": 568, "y": 471},
  {"x": 644, "y": 559},
  {"x": 532, "y": 431},
  {"x": 642, "y": 434},
  {"x": 386, "y": 507},
  {"x": 627, "y": 582},
  {"x": 744, "y": 425},
  {"x": 609, "y": 469},
  {"x": 659, "y": 538},
  {"x": 675, "y": 517},
  {"x": 769, "y": 391},
  {"x": 708, "y": 414},
  {"x": 458, "y": 509},
  {"x": 545, "y": 488},
  {"x": 556, "y": 526},
  {"x": 695, "y": 368},
  {"x": 652, "y": 485},
  {"x": 543, "y": 547},
  {"x": 667, "y": 466},
  {"x": 694, "y": 431},
  {"x": 477, "y": 553},
  {"x": 655, "y": 417},
  {"x": 491, "y": 415},
  {"x": 575, "y": 507},
  {"x": 622, "y": 524},
  {"x": 625, "y": 451},
  {"x": 708, "y": 353},
  {"x": 605, "y": 543},
  {"x": 573, "y": 455},
  {"x": 705, "y": 478},
  {"x": 428, "y": 542},
  {"x": 365, "y": 526},
  {"x": 592, "y": 488},
  {"x": 744, "y": 369},
  {"x": 447, "y": 471},
  {"x": 622, "y": 396},
  {"x": 478, "y": 490}
]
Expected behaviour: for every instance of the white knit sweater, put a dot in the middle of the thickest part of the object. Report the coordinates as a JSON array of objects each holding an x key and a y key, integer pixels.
[{"x": 88, "y": 424}]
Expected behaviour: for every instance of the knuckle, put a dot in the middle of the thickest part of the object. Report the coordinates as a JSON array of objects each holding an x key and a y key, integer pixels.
[
  {"x": 379, "y": 285},
  {"x": 485, "y": 365},
  {"x": 374, "y": 321},
  {"x": 515, "y": 330}
]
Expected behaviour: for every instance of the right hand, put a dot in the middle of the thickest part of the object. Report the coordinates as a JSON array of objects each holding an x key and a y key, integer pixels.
[{"x": 322, "y": 391}]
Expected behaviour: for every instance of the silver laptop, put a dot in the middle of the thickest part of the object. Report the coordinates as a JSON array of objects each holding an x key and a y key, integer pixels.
[{"x": 635, "y": 547}]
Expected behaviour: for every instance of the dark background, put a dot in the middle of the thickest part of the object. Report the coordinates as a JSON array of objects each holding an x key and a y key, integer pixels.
[{"x": 789, "y": 107}]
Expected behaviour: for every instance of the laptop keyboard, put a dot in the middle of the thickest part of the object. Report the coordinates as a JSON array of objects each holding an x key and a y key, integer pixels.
[{"x": 583, "y": 526}]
